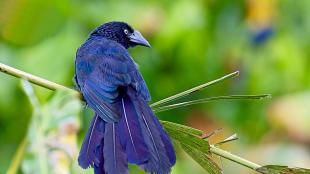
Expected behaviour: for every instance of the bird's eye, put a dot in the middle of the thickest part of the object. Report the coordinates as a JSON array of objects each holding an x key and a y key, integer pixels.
[{"x": 126, "y": 31}]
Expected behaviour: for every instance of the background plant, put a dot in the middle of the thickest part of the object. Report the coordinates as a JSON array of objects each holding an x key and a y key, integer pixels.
[
  {"x": 193, "y": 41},
  {"x": 50, "y": 144}
]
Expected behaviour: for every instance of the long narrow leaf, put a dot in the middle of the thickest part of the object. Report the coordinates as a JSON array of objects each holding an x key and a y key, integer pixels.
[
  {"x": 181, "y": 128},
  {"x": 195, "y": 89},
  {"x": 188, "y": 136},
  {"x": 205, "y": 100}
]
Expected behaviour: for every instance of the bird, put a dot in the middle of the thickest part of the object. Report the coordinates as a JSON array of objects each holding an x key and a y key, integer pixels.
[{"x": 124, "y": 129}]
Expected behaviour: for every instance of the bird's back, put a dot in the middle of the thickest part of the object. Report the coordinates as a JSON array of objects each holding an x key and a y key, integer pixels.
[{"x": 100, "y": 53}]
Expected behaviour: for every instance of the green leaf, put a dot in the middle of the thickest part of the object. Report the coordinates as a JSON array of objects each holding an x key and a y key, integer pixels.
[
  {"x": 181, "y": 128},
  {"x": 187, "y": 135},
  {"x": 204, "y": 161},
  {"x": 192, "y": 144},
  {"x": 274, "y": 169}
]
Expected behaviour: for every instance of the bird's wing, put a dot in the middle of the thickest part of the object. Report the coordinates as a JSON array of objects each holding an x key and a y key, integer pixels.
[{"x": 103, "y": 66}]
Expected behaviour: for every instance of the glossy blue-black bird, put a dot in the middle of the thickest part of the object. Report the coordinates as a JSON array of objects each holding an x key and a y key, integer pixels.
[{"x": 124, "y": 129}]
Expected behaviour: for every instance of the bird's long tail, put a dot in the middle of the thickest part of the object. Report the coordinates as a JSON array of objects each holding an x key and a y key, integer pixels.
[{"x": 138, "y": 138}]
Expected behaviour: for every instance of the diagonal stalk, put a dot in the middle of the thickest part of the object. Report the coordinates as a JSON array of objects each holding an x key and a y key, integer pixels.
[
  {"x": 18, "y": 156},
  {"x": 34, "y": 79},
  {"x": 31, "y": 78}
]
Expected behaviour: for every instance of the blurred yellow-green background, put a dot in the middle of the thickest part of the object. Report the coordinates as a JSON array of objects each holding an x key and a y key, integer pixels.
[{"x": 193, "y": 41}]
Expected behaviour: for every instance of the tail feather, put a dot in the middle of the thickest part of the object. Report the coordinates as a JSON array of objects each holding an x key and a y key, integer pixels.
[
  {"x": 130, "y": 129},
  {"x": 161, "y": 152},
  {"x": 165, "y": 138},
  {"x": 99, "y": 168},
  {"x": 136, "y": 138},
  {"x": 115, "y": 161},
  {"x": 159, "y": 161},
  {"x": 92, "y": 140}
]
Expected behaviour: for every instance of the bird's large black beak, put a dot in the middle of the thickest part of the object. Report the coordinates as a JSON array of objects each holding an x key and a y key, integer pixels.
[{"x": 137, "y": 38}]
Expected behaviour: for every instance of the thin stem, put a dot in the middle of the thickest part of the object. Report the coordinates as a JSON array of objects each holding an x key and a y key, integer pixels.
[
  {"x": 195, "y": 89},
  {"x": 204, "y": 100},
  {"x": 54, "y": 86},
  {"x": 234, "y": 158},
  {"x": 33, "y": 79}
]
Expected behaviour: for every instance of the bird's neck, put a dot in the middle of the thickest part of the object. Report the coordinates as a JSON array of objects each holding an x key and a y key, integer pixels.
[
  {"x": 95, "y": 37},
  {"x": 109, "y": 37}
]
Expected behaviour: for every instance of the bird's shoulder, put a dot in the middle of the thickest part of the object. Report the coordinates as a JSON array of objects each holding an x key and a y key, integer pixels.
[
  {"x": 100, "y": 55},
  {"x": 103, "y": 48},
  {"x": 108, "y": 63}
]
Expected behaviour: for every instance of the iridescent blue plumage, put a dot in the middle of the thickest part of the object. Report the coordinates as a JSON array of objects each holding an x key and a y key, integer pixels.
[{"x": 124, "y": 129}]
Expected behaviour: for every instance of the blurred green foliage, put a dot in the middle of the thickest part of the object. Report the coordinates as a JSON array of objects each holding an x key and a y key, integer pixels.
[
  {"x": 192, "y": 42},
  {"x": 52, "y": 134}
]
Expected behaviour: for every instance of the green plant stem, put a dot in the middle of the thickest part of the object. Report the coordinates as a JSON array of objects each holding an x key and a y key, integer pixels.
[
  {"x": 195, "y": 89},
  {"x": 54, "y": 86},
  {"x": 234, "y": 158},
  {"x": 33, "y": 79}
]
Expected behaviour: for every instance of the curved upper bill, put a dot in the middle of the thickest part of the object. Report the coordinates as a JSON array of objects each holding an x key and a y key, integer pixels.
[{"x": 136, "y": 37}]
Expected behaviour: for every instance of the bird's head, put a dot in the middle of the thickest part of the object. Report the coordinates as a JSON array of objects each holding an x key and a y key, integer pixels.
[{"x": 122, "y": 33}]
